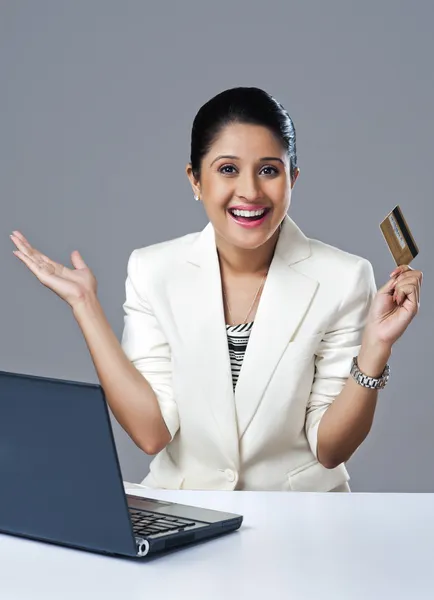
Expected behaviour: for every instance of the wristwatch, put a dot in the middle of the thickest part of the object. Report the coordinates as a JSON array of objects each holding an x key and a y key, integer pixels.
[{"x": 374, "y": 383}]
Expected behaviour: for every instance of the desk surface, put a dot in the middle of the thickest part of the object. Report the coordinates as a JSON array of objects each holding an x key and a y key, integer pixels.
[{"x": 292, "y": 545}]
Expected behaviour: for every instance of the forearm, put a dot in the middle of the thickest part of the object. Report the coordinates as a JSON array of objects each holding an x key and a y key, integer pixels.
[
  {"x": 130, "y": 397},
  {"x": 347, "y": 422}
]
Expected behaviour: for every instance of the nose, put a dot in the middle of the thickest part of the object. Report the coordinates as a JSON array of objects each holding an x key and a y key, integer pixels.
[{"x": 248, "y": 187}]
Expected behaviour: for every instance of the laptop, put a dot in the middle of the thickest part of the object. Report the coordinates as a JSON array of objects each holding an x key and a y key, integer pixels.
[{"x": 60, "y": 478}]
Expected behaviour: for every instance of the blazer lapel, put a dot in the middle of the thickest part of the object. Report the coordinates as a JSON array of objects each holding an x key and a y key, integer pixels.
[
  {"x": 286, "y": 296},
  {"x": 199, "y": 296}
]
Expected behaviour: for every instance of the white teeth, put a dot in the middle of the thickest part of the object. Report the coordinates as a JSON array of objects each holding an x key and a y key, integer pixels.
[{"x": 248, "y": 213}]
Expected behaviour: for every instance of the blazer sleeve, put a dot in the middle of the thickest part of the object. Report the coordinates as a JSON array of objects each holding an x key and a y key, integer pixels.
[
  {"x": 145, "y": 345},
  {"x": 339, "y": 345}
]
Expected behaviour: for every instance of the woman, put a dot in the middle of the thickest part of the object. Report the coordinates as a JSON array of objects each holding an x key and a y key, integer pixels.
[{"x": 249, "y": 289}]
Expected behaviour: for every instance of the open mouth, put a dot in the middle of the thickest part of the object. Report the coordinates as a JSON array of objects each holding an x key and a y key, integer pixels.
[{"x": 248, "y": 216}]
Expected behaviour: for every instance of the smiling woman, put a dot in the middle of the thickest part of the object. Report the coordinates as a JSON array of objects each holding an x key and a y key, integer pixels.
[
  {"x": 251, "y": 355},
  {"x": 243, "y": 166}
]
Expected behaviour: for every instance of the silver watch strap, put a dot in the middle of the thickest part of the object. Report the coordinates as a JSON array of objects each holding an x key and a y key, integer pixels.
[{"x": 373, "y": 383}]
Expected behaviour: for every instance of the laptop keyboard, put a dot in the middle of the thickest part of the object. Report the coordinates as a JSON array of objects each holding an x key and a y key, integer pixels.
[{"x": 147, "y": 524}]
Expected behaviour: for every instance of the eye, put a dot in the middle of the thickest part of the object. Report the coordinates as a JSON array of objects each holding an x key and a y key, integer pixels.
[
  {"x": 227, "y": 169},
  {"x": 270, "y": 170}
]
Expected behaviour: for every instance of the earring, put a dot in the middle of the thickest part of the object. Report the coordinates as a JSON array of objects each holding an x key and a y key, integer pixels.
[{"x": 197, "y": 197}]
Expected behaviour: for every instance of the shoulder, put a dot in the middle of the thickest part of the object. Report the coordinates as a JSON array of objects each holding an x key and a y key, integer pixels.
[
  {"x": 160, "y": 257},
  {"x": 341, "y": 274},
  {"x": 316, "y": 259},
  {"x": 327, "y": 257}
]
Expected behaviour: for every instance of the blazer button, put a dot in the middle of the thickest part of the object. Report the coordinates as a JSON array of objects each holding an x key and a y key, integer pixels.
[{"x": 230, "y": 475}]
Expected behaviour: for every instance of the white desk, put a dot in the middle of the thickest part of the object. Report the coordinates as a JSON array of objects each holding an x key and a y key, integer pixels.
[{"x": 292, "y": 546}]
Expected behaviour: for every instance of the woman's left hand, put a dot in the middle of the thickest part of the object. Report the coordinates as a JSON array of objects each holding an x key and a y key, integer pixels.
[{"x": 394, "y": 307}]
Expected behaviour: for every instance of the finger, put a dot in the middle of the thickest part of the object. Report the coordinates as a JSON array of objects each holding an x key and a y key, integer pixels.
[
  {"x": 40, "y": 270},
  {"x": 388, "y": 287},
  {"x": 22, "y": 240},
  {"x": 28, "y": 250},
  {"x": 400, "y": 269},
  {"x": 36, "y": 256},
  {"x": 418, "y": 276},
  {"x": 409, "y": 273},
  {"x": 77, "y": 260},
  {"x": 19, "y": 235},
  {"x": 411, "y": 278},
  {"x": 406, "y": 291},
  {"x": 23, "y": 247}
]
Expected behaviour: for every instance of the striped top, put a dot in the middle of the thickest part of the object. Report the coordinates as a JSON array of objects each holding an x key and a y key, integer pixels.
[{"x": 238, "y": 337}]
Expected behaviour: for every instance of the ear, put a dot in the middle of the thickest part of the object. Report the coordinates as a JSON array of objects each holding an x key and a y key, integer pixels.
[
  {"x": 295, "y": 177},
  {"x": 195, "y": 184}
]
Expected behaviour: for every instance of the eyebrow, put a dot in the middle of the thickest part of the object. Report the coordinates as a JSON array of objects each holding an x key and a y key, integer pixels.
[{"x": 263, "y": 159}]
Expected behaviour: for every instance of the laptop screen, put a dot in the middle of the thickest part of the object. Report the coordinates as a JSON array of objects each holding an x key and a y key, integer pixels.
[{"x": 60, "y": 478}]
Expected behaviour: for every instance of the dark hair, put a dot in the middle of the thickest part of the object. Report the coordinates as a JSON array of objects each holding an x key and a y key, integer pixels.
[{"x": 240, "y": 105}]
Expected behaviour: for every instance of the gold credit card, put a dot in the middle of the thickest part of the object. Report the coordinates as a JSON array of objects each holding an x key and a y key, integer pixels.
[{"x": 398, "y": 237}]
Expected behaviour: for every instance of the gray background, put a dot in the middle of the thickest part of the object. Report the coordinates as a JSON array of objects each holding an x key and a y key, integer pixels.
[{"x": 96, "y": 107}]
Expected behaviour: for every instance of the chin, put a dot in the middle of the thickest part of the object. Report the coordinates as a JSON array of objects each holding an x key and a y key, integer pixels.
[{"x": 250, "y": 240}]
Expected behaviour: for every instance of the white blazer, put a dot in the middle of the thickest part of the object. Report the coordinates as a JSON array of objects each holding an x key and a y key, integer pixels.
[{"x": 307, "y": 329}]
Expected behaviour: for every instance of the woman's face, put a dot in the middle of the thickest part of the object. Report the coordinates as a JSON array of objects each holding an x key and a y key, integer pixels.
[{"x": 245, "y": 184}]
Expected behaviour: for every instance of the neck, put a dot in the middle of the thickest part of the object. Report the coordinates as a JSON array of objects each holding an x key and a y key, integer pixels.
[{"x": 242, "y": 261}]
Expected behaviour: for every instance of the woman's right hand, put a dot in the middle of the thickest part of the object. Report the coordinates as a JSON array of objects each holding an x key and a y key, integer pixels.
[{"x": 72, "y": 285}]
